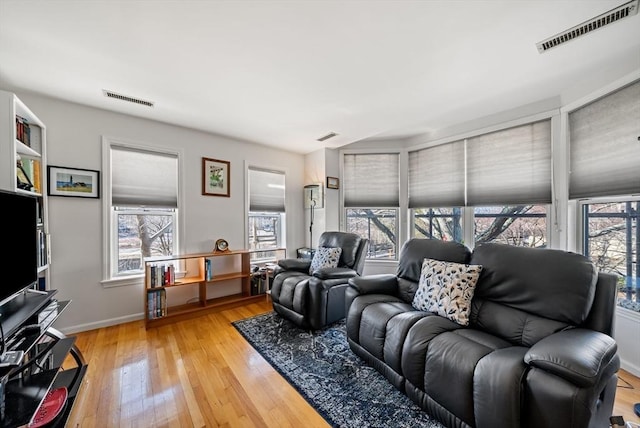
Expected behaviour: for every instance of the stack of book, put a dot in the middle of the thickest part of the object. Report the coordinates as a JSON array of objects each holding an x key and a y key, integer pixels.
[
  {"x": 23, "y": 131},
  {"x": 156, "y": 303},
  {"x": 160, "y": 275}
]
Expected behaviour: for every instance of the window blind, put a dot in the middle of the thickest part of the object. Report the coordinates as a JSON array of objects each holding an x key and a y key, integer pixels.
[
  {"x": 604, "y": 145},
  {"x": 143, "y": 178},
  {"x": 371, "y": 180},
  {"x": 510, "y": 166},
  {"x": 436, "y": 176},
  {"x": 266, "y": 191}
]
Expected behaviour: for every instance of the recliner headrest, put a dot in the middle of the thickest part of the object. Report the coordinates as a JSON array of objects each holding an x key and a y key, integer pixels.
[
  {"x": 349, "y": 243},
  {"x": 415, "y": 250}
]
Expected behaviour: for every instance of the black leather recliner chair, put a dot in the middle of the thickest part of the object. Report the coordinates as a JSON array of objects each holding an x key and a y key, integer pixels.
[
  {"x": 313, "y": 301},
  {"x": 537, "y": 352}
]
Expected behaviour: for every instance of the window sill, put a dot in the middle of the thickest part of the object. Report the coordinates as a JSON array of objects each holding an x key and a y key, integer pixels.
[
  {"x": 123, "y": 281},
  {"x": 628, "y": 313}
]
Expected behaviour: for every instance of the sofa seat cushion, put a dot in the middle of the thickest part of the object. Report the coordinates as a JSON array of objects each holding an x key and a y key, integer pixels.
[
  {"x": 448, "y": 365},
  {"x": 380, "y": 324},
  {"x": 518, "y": 327}
]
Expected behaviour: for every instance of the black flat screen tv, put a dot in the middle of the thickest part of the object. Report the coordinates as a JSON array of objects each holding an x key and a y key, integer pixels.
[{"x": 19, "y": 253}]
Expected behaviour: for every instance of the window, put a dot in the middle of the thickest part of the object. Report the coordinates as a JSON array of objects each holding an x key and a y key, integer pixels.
[
  {"x": 444, "y": 224},
  {"x": 436, "y": 179},
  {"x": 603, "y": 145},
  {"x": 266, "y": 212},
  {"x": 611, "y": 239},
  {"x": 505, "y": 175},
  {"x": 143, "y": 206},
  {"x": 519, "y": 225},
  {"x": 371, "y": 200},
  {"x": 604, "y": 164},
  {"x": 380, "y": 226}
]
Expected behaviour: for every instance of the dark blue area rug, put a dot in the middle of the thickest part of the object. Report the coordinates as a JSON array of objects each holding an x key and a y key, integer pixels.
[{"x": 335, "y": 381}]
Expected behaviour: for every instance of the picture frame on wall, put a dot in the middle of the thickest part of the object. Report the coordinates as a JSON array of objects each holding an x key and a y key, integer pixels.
[
  {"x": 333, "y": 183},
  {"x": 73, "y": 182},
  {"x": 216, "y": 177}
]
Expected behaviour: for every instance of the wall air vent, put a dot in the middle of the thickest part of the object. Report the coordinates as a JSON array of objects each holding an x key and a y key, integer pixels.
[
  {"x": 111, "y": 94},
  {"x": 326, "y": 137},
  {"x": 614, "y": 15}
]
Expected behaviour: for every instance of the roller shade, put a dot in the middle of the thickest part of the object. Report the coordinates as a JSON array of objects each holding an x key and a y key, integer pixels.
[
  {"x": 604, "y": 145},
  {"x": 143, "y": 178},
  {"x": 436, "y": 176},
  {"x": 266, "y": 191},
  {"x": 371, "y": 180},
  {"x": 510, "y": 166}
]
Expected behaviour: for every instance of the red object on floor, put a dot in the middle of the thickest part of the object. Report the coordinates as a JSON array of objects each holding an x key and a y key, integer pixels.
[{"x": 51, "y": 407}]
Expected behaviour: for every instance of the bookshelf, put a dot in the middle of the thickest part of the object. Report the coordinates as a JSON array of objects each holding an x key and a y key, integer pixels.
[
  {"x": 23, "y": 166},
  {"x": 25, "y": 386},
  {"x": 163, "y": 275}
]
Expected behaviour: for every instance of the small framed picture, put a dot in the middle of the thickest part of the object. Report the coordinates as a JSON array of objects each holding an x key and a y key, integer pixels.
[
  {"x": 75, "y": 182},
  {"x": 216, "y": 177},
  {"x": 333, "y": 183}
]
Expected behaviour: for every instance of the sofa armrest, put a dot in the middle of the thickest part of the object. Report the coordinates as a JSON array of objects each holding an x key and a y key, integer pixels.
[
  {"x": 299, "y": 265},
  {"x": 335, "y": 273},
  {"x": 577, "y": 355},
  {"x": 375, "y": 284}
]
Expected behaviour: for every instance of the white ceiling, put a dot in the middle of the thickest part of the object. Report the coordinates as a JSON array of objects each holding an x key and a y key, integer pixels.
[{"x": 284, "y": 73}]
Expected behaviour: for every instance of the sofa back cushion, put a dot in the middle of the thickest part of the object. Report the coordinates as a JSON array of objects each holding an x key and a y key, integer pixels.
[
  {"x": 525, "y": 294},
  {"x": 413, "y": 253}
]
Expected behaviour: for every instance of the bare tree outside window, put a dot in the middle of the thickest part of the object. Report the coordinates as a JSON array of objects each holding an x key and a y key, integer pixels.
[
  {"x": 143, "y": 235},
  {"x": 519, "y": 225},
  {"x": 612, "y": 242},
  {"x": 380, "y": 226},
  {"x": 444, "y": 224}
]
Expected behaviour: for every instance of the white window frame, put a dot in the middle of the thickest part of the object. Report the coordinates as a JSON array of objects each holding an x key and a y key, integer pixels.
[
  {"x": 282, "y": 239},
  {"x": 109, "y": 229},
  {"x": 401, "y": 220}
]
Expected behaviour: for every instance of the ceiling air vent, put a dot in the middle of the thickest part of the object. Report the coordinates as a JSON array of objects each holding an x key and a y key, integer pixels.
[
  {"x": 614, "y": 15},
  {"x": 111, "y": 94},
  {"x": 326, "y": 137}
]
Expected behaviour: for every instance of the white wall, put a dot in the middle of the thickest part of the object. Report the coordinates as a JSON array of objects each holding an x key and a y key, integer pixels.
[
  {"x": 627, "y": 334},
  {"x": 74, "y": 140},
  {"x": 314, "y": 167}
]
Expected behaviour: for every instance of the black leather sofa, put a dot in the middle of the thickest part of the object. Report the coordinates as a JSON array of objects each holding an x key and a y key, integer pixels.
[
  {"x": 312, "y": 300},
  {"x": 537, "y": 351}
]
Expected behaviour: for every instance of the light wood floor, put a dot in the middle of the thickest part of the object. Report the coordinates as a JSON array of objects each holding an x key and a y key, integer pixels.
[{"x": 202, "y": 373}]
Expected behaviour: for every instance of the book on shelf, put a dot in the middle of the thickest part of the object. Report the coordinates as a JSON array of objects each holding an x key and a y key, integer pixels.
[
  {"x": 28, "y": 173},
  {"x": 23, "y": 131},
  {"x": 36, "y": 172},
  {"x": 42, "y": 248},
  {"x": 208, "y": 270},
  {"x": 160, "y": 275},
  {"x": 156, "y": 303}
]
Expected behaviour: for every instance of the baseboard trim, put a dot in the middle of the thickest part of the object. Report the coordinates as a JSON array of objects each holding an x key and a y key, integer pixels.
[
  {"x": 100, "y": 324},
  {"x": 630, "y": 367}
]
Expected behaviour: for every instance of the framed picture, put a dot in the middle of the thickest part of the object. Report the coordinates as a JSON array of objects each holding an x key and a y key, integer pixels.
[
  {"x": 76, "y": 182},
  {"x": 216, "y": 177},
  {"x": 333, "y": 183}
]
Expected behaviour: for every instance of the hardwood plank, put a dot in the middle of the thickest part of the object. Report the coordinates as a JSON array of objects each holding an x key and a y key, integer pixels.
[{"x": 201, "y": 372}]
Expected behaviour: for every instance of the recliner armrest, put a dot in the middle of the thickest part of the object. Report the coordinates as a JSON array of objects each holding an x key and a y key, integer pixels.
[
  {"x": 577, "y": 355},
  {"x": 375, "y": 284},
  {"x": 335, "y": 273},
  {"x": 299, "y": 265}
]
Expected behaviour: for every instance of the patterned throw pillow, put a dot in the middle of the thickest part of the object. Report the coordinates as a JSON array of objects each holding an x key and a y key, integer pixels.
[
  {"x": 446, "y": 289},
  {"x": 325, "y": 257}
]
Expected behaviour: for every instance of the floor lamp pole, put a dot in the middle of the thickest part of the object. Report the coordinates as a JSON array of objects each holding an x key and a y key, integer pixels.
[{"x": 313, "y": 205}]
